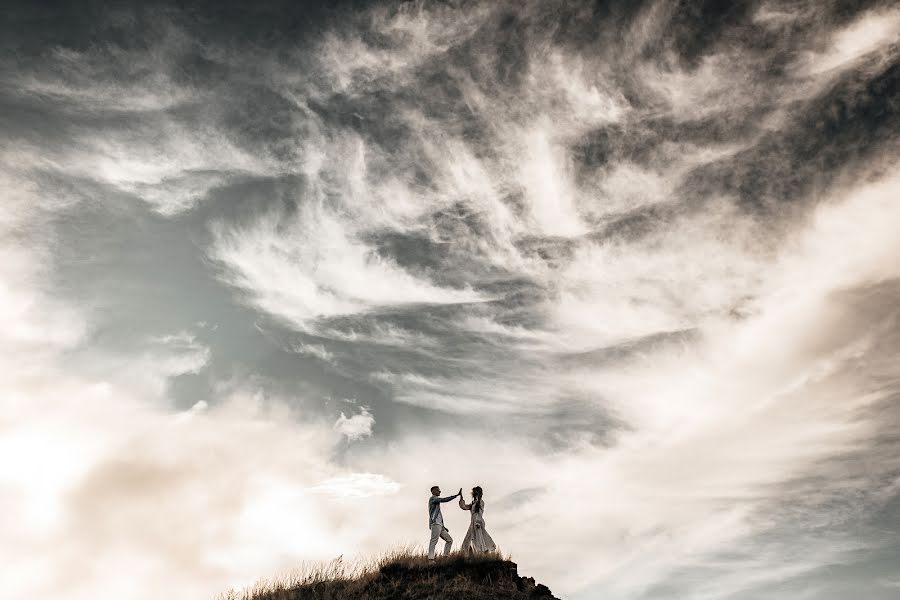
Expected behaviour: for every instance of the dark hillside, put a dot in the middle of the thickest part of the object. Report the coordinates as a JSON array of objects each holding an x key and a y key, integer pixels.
[{"x": 414, "y": 578}]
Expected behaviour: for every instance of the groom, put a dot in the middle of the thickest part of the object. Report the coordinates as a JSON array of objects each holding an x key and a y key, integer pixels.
[{"x": 436, "y": 521}]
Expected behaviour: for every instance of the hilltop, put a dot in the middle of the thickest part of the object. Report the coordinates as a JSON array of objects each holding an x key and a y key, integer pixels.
[{"x": 406, "y": 576}]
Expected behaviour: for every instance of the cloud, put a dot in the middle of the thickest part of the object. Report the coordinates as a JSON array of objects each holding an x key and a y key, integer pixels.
[
  {"x": 312, "y": 266},
  {"x": 155, "y": 493},
  {"x": 356, "y": 426},
  {"x": 357, "y": 485},
  {"x": 108, "y": 79},
  {"x": 182, "y": 354},
  {"x": 318, "y": 351},
  {"x": 547, "y": 186},
  {"x": 36, "y": 319},
  {"x": 874, "y": 30},
  {"x": 131, "y": 124}
]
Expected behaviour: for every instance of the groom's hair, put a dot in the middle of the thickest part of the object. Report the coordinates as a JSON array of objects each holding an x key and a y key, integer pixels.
[{"x": 434, "y": 489}]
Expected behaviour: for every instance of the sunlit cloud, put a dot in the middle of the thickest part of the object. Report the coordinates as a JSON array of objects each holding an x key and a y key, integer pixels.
[
  {"x": 355, "y": 426},
  {"x": 874, "y": 30}
]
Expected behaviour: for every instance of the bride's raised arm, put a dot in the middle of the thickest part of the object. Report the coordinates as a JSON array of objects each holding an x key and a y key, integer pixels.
[{"x": 463, "y": 505}]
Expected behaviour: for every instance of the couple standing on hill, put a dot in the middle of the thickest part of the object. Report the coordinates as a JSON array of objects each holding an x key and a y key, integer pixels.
[{"x": 477, "y": 538}]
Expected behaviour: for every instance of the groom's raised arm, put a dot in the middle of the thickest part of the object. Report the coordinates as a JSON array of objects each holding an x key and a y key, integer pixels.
[{"x": 447, "y": 499}]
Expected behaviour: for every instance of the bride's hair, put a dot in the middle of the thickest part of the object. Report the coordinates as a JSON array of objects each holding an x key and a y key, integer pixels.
[{"x": 477, "y": 502}]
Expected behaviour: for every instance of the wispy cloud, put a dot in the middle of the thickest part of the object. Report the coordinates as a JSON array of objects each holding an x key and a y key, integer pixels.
[
  {"x": 312, "y": 266},
  {"x": 875, "y": 30},
  {"x": 357, "y": 485}
]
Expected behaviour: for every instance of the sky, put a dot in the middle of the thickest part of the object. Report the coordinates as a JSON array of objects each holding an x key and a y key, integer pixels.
[{"x": 271, "y": 270}]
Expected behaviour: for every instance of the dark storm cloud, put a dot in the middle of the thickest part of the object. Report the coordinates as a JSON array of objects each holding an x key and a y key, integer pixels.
[
  {"x": 31, "y": 29},
  {"x": 848, "y": 126}
]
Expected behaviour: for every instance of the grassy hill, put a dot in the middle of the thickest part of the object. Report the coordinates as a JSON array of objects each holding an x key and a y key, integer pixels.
[{"x": 406, "y": 576}]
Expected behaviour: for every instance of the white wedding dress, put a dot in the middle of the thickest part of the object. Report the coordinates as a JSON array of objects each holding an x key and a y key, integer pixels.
[{"x": 477, "y": 538}]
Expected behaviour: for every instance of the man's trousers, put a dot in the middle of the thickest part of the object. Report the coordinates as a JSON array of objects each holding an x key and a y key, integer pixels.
[{"x": 439, "y": 531}]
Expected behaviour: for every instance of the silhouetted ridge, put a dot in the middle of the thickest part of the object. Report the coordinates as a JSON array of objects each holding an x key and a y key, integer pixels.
[{"x": 414, "y": 578}]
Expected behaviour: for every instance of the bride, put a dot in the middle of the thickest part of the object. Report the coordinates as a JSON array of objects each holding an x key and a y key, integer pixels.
[{"x": 477, "y": 538}]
